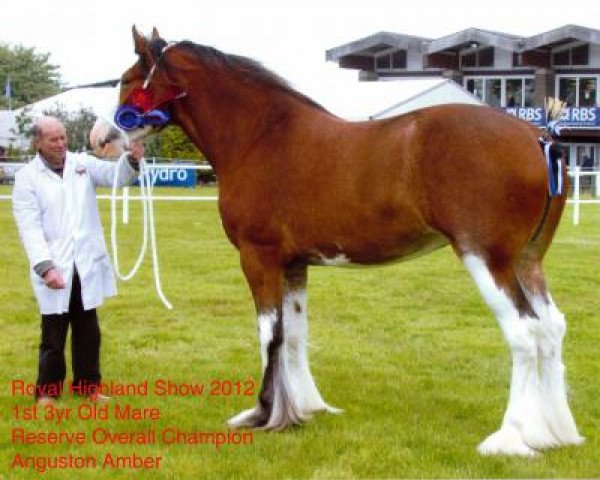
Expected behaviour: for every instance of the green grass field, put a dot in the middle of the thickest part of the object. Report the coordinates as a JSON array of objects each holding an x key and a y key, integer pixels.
[{"x": 409, "y": 351}]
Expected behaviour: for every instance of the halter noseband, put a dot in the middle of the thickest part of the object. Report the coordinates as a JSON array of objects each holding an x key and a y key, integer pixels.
[{"x": 140, "y": 110}]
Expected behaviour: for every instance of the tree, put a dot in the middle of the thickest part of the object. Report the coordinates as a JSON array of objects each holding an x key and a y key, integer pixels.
[
  {"x": 78, "y": 125},
  {"x": 31, "y": 76},
  {"x": 172, "y": 143}
]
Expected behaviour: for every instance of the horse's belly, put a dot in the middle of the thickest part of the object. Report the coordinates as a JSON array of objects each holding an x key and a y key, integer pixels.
[{"x": 377, "y": 253}]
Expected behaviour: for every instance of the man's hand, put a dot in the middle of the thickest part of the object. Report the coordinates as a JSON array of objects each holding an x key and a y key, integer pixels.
[
  {"x": 53, "y": 279},
  {"x": 136, "y": 151}
]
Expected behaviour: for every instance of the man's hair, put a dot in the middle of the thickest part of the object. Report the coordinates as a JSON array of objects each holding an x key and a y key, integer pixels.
[
  {"x": 35, "y": 132},
  {"x": 36, "y": 135}
]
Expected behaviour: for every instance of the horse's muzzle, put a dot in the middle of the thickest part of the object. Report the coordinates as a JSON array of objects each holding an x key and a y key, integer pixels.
[{"x": 129, "y": 117}]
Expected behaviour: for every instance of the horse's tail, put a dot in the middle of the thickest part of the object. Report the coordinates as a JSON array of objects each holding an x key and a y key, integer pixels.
[
  {"x": 553, "y": 210},
  {"x": 558, "y": 179}
]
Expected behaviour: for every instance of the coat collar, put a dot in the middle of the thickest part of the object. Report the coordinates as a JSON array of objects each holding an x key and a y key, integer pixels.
[{"x": 42, "y": 166}]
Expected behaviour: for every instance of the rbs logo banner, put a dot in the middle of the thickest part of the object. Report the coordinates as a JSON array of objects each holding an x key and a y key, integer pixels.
[
  {"x": 572, "y": 116},
  {"x": 537, "y": 116}
]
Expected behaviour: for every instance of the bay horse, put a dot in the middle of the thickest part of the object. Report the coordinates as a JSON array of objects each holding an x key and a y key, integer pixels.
[{"x": 299, "y": 186}]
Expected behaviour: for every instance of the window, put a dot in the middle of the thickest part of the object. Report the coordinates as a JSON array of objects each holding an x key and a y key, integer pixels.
[
  {"x": 585, "y": 157},
  {"x": 486, "y": 57},
  {"x": 579, "y": 55},
  {"x": 528, "y": 100},
  {"x": 503, "y": 92},
  {"x": 493, "y": 92},
  {"x": 514, "y": 92},
  {"x": 517, "y": 59},
  {"x": 395, "y": 59},
  {"x": 578, "y": 90},
  {"x": 469, "y": 60},
  {"x": 587, "y": 92},
  {"x": 483, "y": 57},
  {"x": 475, "y": 86},
  {"x": 567, "y": 91},
  {"x": 399, "y": 59},
  {"x": 562, "y": 58}
]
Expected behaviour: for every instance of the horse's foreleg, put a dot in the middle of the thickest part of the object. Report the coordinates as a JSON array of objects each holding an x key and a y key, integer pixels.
[
  {"x": 524, "y": 426},
  {"x": 295, "y": 320},
  {"x": 276, "y": 408}
]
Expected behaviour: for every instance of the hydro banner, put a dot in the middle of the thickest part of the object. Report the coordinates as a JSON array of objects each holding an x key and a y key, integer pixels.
[{"x": 171, "y": 176}]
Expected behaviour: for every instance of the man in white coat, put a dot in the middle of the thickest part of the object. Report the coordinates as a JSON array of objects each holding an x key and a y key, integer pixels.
[{"x": 55, "y": 207}]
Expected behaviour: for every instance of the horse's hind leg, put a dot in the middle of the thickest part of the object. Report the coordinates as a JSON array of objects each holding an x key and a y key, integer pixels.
[
  {"x": 304, "y": 391},
  {"x": 556, "y": 410},
  {"x": 524, "y": 426}
]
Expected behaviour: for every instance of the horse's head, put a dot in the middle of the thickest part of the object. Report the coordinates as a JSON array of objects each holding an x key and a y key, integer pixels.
[{"x": 147, "y": 94}]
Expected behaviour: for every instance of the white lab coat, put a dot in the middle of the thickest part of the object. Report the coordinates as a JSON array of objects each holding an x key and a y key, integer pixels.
[{"x": 58, "y": 220}]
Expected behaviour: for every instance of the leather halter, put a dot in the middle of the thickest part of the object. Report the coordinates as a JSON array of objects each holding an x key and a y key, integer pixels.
[{"x": 140, "y": 110}]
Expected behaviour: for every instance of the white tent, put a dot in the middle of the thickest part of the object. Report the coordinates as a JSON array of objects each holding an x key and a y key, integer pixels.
[
  {"x": 382, "y": 99},
  {"x": 101, "y": 100},
  {"x": 7, "y": 126}
]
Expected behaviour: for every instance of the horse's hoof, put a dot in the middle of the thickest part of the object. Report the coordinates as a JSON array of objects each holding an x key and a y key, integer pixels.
[
  {"x": 334, "y": 410},
  {"x": 251, "y": 418},
  {"x": 506, "y": 441}
]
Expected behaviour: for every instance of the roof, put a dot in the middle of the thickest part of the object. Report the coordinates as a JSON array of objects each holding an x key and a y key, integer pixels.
[
  {"x": 469, "y": 36},
  {"x": 564, "y": 34},
  {"x": 374, "y": 44}
]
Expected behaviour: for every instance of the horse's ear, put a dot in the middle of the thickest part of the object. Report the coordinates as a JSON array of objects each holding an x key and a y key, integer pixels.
[
  {"x": 155, "y": 34},
  {"x": 142, "y": 48}
]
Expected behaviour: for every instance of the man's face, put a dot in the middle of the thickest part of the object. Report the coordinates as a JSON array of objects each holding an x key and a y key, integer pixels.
[{"x": 53, "y": 143}]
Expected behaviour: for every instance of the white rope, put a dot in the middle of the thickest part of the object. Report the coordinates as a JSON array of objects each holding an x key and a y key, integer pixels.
[{"x": 148, "y": 225}]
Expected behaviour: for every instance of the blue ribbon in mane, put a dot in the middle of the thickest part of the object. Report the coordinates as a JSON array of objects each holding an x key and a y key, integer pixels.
[{"x": 554, "y": 165}]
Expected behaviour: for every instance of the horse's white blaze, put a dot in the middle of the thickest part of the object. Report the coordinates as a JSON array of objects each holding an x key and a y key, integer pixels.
[
  {"x": 529, "y": 422},
  {"x": 303, "y": 389}
]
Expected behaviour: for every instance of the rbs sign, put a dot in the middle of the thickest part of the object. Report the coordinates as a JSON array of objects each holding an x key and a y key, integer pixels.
[
  {"x": 171, "y": 177},
  {"x": 572, "y": 116},
  {"x": 537, "y": 116}
]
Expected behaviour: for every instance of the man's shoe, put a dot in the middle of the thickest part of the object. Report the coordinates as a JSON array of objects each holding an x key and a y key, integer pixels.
[{"x": 45, "y": 400}]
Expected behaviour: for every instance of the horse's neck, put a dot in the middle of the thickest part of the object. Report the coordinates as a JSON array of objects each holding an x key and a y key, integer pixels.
[{"x": 230, "y": 117}]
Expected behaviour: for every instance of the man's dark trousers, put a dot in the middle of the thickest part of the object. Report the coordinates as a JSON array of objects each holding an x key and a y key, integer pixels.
[{"x": 85, "y": 346}]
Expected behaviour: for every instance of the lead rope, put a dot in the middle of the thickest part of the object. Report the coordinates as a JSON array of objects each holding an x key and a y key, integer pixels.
[{"x": 148, "y": 225}]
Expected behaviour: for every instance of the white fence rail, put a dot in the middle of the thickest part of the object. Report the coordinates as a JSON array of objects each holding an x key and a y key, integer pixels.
[{"x": 575, "y": 173}]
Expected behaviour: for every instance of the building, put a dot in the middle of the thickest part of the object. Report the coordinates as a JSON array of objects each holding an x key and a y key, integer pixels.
[{"x": 505, "y": 71}]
